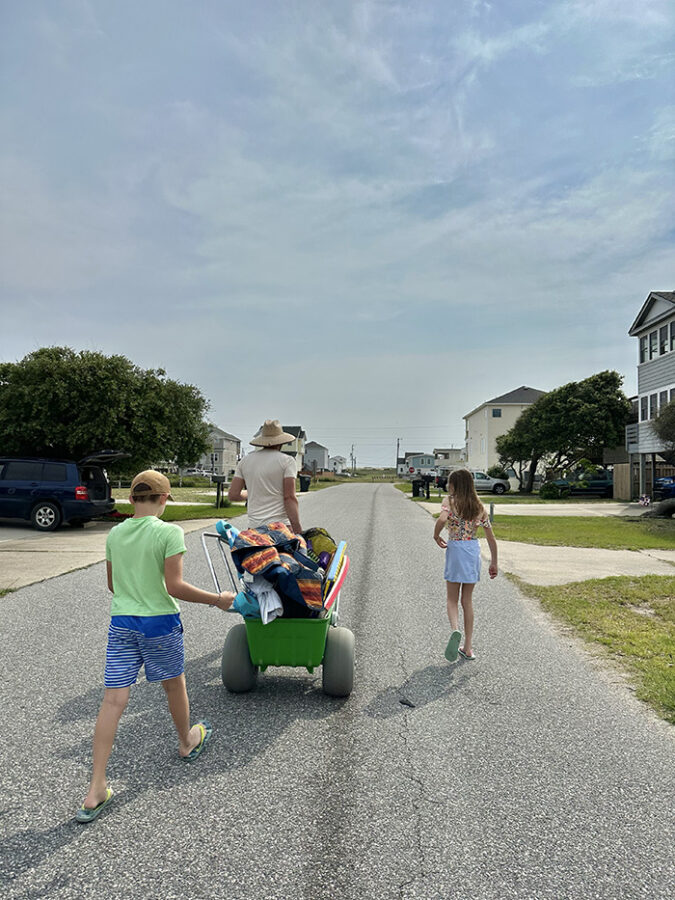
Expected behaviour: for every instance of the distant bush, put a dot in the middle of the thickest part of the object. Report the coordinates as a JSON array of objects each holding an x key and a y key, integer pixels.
[
  {"x": 188, "y": 481},
  {"x": 498, "y": 472},
  {"x": 551, "y": 491}
]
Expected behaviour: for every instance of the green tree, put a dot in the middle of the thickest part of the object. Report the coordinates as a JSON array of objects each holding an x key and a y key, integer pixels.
[
  {"x": 569, "y": 424},
  {"x": 61, "y": 403},
  {"x": 664, "y": 428}
]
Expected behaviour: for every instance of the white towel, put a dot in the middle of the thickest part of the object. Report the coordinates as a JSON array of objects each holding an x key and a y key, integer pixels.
[{"x": 268, "y": 599}]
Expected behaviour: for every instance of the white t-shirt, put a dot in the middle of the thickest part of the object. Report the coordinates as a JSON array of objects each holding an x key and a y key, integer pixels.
[{"x": 264, "y": 472}]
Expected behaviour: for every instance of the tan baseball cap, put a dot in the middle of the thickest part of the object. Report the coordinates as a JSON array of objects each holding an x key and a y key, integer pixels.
[{"x": 155, "y": 481}]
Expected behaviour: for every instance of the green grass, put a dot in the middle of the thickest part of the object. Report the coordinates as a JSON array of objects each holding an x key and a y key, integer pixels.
[
  {"x": 4, "y": 591},
  {"x": 632, "y": 619},
  {"x": 606, "y": 532},
  {"x": 183, "y": 513}
]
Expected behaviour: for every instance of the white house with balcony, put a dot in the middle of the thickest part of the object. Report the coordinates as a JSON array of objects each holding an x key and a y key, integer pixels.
[
  {"x": 223, "y": 454},
  {"x": 445, "y": 457},
  {"x": 487, "y": 422},
  {"x": 654, "y": 328}
]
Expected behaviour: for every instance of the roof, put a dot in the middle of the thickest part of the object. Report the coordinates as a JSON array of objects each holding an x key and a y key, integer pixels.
[
  {"x": 225, "y": 434},
  {"x": 518, "y": 396},
  {"x": 314, "y": 444},
  {"x": 667, "y": 297}
]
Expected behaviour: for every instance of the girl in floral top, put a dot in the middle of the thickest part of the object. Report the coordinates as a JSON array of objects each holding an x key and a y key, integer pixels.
[{"x": 463, "y": 513}]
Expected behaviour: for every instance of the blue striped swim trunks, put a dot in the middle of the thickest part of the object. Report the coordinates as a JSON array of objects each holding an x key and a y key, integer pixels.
[{"x": 130, "y": 648}]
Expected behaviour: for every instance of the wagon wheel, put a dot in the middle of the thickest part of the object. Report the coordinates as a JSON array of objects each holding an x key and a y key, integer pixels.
[
  {"x": 238, "y": 672},
  {"x": 338, "y": 663}
]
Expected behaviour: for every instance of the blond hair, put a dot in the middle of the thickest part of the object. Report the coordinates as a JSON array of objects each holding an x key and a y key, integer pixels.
[{"x": 462, "y": 495}]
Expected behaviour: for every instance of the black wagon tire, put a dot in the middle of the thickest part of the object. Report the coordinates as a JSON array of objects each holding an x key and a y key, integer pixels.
[
  {"x": 338, "y": 663},
  {"x": 499, "y": 489},
  {"x": 238, "y": 672},
  {"x": 45, "y": 516}
]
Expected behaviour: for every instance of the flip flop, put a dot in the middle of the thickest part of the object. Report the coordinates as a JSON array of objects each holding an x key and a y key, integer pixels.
[
  {"x": 466, "y": 655},
  {"x": 207, "y": 731},
  {"x": 86, "y": 814},
  {"x": 453, "y": 644}
]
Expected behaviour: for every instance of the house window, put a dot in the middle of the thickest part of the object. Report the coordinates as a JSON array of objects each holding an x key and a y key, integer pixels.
[
  {"x": 644, "y": 409},
  {"x": 496, "y": 413},
  {"x": 643, "y": 348},
  {"x": 482, "y": 445},
  {"x": 672, "y": 394},
  {"x": 653, "y": 344},
  {"x": 672, "y": 335},
  {"x": 663, "y": 399},
  {"x": 663, "y": 339},
  {"x": 652, "y": 405}
]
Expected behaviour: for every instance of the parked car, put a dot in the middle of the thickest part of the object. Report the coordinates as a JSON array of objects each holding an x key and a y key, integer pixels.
[
  {"x": 664, "y": 489},
  {"x": 49, "y": 492},
  {"x": 600, "y": 483},
  {"x": 483, "y": 482}
]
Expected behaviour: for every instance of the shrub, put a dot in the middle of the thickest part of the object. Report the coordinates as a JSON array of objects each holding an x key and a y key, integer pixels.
[
  {"x": 498, "y": 472},
  {"x": 551, "y": 491}
]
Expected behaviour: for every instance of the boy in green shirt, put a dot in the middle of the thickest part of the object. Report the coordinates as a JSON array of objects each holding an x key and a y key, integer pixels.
[{"x": 144, "y": 559}]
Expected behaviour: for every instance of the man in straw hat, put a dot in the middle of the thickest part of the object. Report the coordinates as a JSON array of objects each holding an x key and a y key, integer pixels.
[{"x": 266, "y": 480}]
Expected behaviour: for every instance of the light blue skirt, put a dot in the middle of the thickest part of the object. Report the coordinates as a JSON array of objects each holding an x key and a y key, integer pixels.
[{"x": 462, "y": 562}]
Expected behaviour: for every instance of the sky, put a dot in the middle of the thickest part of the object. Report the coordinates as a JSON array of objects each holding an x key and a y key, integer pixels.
[{"x": 365, "y": 218}]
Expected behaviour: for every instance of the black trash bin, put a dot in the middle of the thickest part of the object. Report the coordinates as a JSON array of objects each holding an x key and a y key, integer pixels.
[
  {"x": 417, "y": 487},
  {"x": 426, "y": 481},
  {"x": 305, "y": 481}
]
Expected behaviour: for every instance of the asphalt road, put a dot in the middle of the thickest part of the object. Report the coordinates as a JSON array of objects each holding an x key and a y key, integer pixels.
[{"x": 530, "y": 773}]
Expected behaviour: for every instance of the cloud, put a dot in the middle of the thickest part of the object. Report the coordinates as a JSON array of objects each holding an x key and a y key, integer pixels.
[{"x": 473, "y": 178}]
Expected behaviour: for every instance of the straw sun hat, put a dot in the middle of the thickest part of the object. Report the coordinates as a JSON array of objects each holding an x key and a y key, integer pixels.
[{"x": 271, "y": 435}]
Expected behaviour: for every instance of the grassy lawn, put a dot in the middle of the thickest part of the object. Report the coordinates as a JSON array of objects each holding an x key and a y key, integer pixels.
[
  {"x": 632, "y": 619},
  {"x": 183, "y": 513},
  {"x": 182, "y": 495},
  {"x": 610, "y": 533}
]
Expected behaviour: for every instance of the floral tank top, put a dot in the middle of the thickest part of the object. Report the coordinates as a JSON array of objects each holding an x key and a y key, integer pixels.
[{"x": 464, "y": 529}]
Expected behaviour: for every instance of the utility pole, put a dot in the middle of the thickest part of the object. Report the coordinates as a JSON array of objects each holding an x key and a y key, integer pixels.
[
  {"x": 353, "y": 459},
  {"x": 398, "y": 441}
]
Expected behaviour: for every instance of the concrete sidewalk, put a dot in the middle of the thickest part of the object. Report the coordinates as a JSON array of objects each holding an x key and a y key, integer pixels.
[
  {"x": 554, "y": 509},
  {"x": 537, "y": 564},
  {"x": 560, "y": 565}
]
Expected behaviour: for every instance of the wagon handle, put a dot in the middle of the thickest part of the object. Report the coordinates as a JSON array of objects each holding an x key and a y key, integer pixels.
[{"x": 214, "y": 576}]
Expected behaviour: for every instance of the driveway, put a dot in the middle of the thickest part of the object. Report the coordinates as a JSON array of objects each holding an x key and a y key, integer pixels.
[{"x": 28, "y": 556}]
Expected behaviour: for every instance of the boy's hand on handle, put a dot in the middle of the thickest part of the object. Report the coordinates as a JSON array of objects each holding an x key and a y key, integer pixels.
[
  {"x": 493, "y": 570},
  {"x": 439, "y": 540},
  {"x": 225, "y": 600}
]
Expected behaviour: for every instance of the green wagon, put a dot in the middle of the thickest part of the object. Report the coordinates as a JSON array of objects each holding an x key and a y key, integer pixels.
[{"x": 251, "y": 647}]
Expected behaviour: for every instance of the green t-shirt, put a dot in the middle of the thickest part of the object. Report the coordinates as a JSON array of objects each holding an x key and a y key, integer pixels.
[{"x": 137, "y": 549}]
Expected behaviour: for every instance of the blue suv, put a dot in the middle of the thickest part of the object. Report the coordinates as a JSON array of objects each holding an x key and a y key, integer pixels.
[
  {"x": 49, "y": 492},
  {"x": 664, "y": 489}
]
